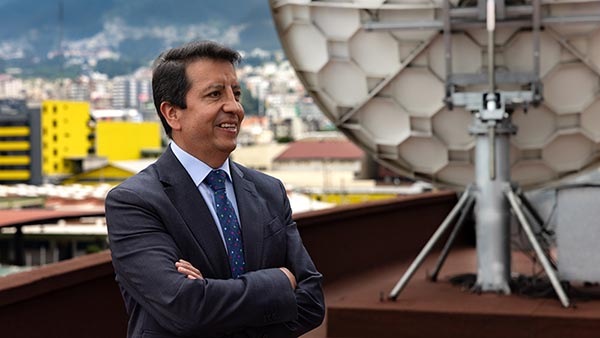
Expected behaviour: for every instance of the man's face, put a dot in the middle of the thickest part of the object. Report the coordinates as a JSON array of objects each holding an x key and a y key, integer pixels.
[{"x": 209, "y": 126}]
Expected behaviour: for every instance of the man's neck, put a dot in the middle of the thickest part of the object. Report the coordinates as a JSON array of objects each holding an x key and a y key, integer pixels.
[{"x": 214, "y": 159}]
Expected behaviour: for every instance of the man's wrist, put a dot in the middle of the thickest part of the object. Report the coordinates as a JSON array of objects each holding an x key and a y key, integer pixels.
[{"x": 290, "y": 276}]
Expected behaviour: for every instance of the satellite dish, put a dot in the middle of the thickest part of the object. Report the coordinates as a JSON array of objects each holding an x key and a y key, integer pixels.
[
  {"x": 378, "y": 70},
  {"x": 493, "y": 94}
]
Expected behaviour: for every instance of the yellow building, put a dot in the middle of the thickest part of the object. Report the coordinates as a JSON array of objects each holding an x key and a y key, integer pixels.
[
  {"x": 111, "y": 173},
  {"x": 124, "y": 140},
  {"x": 14, "y": 148},
  {"x": 72, "y": 141},
  {"x": 66, "y": 133}
]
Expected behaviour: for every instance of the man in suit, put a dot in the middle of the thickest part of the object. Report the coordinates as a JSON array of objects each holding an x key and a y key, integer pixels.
[{"x": 202, "y": 246}]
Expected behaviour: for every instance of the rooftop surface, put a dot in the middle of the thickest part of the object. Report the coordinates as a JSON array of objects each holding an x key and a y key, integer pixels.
[{"x": 441, "y": 309}]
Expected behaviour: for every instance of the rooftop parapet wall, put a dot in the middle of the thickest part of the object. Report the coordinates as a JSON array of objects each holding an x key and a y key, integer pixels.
[{"x": 80, "y": 295}]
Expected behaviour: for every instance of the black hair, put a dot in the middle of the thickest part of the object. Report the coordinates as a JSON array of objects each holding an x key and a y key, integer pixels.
[{"x": 169, "y": 80}]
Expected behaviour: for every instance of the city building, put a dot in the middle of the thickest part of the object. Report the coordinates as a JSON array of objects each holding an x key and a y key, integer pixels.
[
  {"x": 20, "y": 159},
  {"x": 11, "y": 87},
  {"x": 321, "y": 155},
  {"x": 127, "y": 140},
  {"x": 134, "y": 92},
  {"x": 67, "y": 137}
]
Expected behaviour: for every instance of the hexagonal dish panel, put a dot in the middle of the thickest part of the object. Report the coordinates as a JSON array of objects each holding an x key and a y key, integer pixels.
[
  {"x": 344, "y": 82},
  {"x": 470, "y": 59},
  {"x": 426, "y": 155},
  {"x": 458, "y": 173},
  {"x": 385, "y": 88},
  {"x": 532, "y": 172},
  {"x": 419, "y": 91},
  {"x": 444, "y": 123},
  {"x": 518, "y": 53},
  {"x": 385, "y": 121},
  {"x": 362, "y": 46},
  {"x": 568, "y": 153},
  {"x": 297, "y": 37},
  {"x": 570, "y": 88},
  {"x": 336, "y": 23},
  {"x": 537, "y": 125},
  {"x": 590, "y": 120}
]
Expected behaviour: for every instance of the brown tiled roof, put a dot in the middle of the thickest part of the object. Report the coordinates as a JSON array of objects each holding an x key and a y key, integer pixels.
[
  {"x": 33, "y": 216},
  {"x": 323, "y": 149},
  {"x": 253, "y": 120}
]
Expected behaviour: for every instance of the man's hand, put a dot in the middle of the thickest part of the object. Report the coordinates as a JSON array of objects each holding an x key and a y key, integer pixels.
[
  {"x": 290, "y": 276},
  {"x": 188, "y": 269}
]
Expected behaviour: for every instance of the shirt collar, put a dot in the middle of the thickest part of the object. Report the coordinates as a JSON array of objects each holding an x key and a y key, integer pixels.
[{"x": 197, "y": 169}]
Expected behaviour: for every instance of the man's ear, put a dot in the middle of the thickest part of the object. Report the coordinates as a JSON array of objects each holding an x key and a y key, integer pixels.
[{"x": 171, "y": 113}]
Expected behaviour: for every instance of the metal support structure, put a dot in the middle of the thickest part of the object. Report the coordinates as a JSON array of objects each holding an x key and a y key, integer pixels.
[
  {"x": 491, "y": 137},
  {"x": 529, "y": 207},
  {"x": 516, "y": 205},
  {"x": 500, "y": 9},
  {"x": 492, "y": 216},
  {"x": 446, "y": 250},
  {"x": 489, "y": 199},
  {"x": 427, "y": 248},
  {"x": 533, "y": 216},
  {"x": 491, "y": 29},
  {"x": 492, "y": 128},
  {"x": 447, "y": 52}
]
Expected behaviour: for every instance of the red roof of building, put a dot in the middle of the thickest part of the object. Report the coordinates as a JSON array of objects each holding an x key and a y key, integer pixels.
[
  {"x": 321, "y": 149},
  {"x": 36, "y": 216}
]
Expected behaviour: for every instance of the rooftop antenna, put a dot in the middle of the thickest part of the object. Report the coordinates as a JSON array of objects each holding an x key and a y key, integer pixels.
[
  {"x": 418, "y": 86},
  {"x": 492, "y": 191}
]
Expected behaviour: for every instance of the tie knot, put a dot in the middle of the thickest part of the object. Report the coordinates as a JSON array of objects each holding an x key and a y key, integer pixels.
[{"x": 216, "y": 179}]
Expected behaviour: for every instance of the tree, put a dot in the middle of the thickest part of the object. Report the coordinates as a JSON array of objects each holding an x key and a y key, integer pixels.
[{"x": 249, "y": 102}]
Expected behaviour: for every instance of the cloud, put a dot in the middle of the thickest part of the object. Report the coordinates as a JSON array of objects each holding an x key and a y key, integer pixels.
[{"x": 116, "y": 30}]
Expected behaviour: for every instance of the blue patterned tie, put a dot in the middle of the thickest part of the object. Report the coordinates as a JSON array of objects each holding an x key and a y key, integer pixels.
[{"x": 229, "y": 222}]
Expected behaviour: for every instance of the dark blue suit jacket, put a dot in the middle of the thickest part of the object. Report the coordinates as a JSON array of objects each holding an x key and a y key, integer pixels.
[{"x": 158, "y": 216}]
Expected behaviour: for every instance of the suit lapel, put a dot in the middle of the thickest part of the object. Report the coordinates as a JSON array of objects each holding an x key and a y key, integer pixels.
[
  {"x": 189, "y": 203},
  {"x": 250, "y": 208}
]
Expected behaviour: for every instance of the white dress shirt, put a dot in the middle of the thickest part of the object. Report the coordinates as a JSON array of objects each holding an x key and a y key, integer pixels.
[{"x": 198, "y": 171}]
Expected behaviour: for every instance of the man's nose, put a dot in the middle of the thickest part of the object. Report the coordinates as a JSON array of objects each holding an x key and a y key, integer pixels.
[
  {"x": 232, "y": 104},
  {"x": 233, "y": 107}
]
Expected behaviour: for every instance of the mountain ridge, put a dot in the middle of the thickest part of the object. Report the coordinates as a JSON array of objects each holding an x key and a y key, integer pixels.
[{"x": 131, "y": 29}]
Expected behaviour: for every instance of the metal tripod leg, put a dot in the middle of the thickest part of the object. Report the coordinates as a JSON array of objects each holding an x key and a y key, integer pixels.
[
  {"x": 446, "y": 250},
  {"x": 516, "y": 205},
  {"x": 533, "y": 214},
  {"x": 427, "y": 248}
]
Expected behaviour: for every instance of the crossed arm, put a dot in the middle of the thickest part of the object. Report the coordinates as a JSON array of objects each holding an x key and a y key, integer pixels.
[{"x": 187, "y": 269}]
